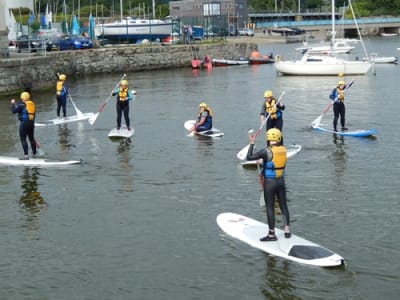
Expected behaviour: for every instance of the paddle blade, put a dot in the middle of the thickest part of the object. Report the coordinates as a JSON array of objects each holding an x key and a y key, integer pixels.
[
  {"x": 39, "y": 150},
  {"x": 262, "y": 202},
  {"x": 242, "y": 154},
  {"x": 93, "y": 118},
  {"x": 317, "y": 121}
]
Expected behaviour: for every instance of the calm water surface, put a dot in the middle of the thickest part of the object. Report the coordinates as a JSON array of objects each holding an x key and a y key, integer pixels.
[{"x": 137, "y": 219}]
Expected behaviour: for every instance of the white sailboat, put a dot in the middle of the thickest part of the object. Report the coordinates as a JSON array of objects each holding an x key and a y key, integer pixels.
[
  {"x": 134, "y": 29},
  {"x": 323, "y": 64}
]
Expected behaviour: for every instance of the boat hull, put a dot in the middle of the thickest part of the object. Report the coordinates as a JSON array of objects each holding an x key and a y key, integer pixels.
[
  {"x": 133, "y": 32},
  {"x": 317, "y": 68}
]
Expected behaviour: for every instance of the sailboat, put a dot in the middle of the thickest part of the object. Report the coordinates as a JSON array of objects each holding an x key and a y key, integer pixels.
[
  {"x": 134, "y": 29},
  {"x": 323, "y": 64}
]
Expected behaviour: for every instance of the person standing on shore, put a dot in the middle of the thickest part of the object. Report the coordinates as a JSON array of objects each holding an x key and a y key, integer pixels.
[
  {"x": 61, "y": 95},
  {"x": 26, "y": 114}
]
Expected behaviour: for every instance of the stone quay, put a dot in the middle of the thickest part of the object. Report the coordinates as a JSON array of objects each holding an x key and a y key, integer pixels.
[{"x": 38, "y": 71}]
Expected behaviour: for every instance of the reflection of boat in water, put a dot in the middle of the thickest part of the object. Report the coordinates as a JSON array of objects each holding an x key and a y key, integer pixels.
[{"x": 133, "y": 29}]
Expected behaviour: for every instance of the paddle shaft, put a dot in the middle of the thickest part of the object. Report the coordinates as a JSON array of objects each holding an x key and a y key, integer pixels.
[
  {"x": 109, "y": 96},
  {"x": 336, "y": 99},
  {"x": 103, "y": 105}
]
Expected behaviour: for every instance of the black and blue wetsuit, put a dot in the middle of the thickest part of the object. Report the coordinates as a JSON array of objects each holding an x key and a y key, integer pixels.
[
  {"x": 61, "y": 95},
  {"x": 123, "y": 98},
  {"x": 26, "y": 116},
  {"x": 274, "y": 162},
  {"x": 339, "y": 109}
]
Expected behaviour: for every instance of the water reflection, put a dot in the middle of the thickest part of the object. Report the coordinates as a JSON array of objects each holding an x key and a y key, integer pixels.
[
  {"x": 31, "y": 200},
  {"x": 124, "y": 153},
  {"x": 64, "y": 138},
  {"x": 278, "y": 283},
  {"x": 204, "y": 145}
]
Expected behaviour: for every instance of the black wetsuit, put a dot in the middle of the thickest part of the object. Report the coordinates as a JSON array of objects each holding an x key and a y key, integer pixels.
[
  {"x": 26, "y": 126},
  {"x": 272, "y": 187}
]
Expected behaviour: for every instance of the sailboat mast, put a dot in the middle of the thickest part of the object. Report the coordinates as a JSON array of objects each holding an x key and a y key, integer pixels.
[
  {"x": 121, "y": 10},
  {"x": 154, "y": 9},
  {"x": 333, "y": 24}
]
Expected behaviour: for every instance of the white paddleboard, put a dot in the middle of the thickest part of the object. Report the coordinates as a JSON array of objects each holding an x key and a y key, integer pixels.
[
  {"x": 36, "y": 162},
  {"x": 355, "y": 133},
  {"x": 69, "y": 119},
  {"x": 213, "y": 132},
  {"x": 121, "y": 133},
  {"x": 295, "y": 248},
  {"x": 291, "y": 151}
]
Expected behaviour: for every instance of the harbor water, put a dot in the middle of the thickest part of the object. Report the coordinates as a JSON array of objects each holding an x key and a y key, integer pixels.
[{"x": 137, "y": 220}]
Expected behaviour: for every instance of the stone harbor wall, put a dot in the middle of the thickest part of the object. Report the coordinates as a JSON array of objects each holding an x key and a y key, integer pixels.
[{"x": 38, "y": 71}]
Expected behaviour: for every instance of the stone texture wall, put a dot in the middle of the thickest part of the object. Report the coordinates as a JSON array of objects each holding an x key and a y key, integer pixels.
[{"x": 37, "y": 72}]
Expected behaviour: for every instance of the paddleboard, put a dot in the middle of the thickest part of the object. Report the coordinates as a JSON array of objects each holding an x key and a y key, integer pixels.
[
  {"x": 355, "y": 133},
  {"x": 121, "y": 133},
  {"x": 295, "y": 248},
  {"x": 69, "y": 119},
  {"x": 36, "y": 162},
  {"x": 213, "y": 132},
  {"x": 291, "y": 151}
]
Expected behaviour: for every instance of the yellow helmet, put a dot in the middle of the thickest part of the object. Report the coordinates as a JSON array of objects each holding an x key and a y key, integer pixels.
[
  {"x": 203, "y": 104},
  {"x": 273, "y": 134},
  {"x": 124, "y": 82},
  {"x": 267, "y": 93},
  {"x": 341, "y": 82},
  {"x": 25, "y": 96},
  {"x": 62, "y": 77},
  {"x": 340, "y": 75}
]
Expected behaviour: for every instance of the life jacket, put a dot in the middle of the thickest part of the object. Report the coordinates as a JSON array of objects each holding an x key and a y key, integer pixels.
[
  {"x": 276, "y": 167},
  {"x": 60, "y": 90},
  {"x": 123, "y": 94},
  {"x": 340, "y": 95},
  {"x": 28, "y": 113},
  {"x": 272, "y": 110},
  {"x": 208, "y": 122}
]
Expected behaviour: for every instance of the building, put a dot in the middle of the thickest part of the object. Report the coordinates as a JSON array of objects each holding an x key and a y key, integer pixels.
[{"x": 225, "y": 15}]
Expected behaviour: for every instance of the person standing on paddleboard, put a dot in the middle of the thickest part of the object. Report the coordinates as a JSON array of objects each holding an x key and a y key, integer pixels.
[
  {"x": 61, "y": 95},
  {"x": 339, "y": 109},
  {"x": 124, "y": 95},
  {"x": 26, "y": 114},
  {"x": 274, "y": 162},
  {"x": 271, "y": 111},
  {"x": 204, "y": 119}
]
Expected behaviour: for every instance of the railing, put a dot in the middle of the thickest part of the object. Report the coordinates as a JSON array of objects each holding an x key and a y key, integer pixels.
[{"x": 370, "y": 21}]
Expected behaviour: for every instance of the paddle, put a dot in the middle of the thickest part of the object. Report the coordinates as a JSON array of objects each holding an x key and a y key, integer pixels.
[
  {"x": 261, "y": 180},
  {"x": 78, "y": 112},
  {"x": 93, "y": 118},
  {"x": 243, "y": 153},
  {"x": 39, "y": 150},
  {"x": 317, "y": 121}
]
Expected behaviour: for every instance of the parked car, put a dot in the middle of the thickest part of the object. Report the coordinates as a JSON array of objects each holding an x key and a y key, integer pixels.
[
  {"x": 73, "y": 42},
  {"x": 246, "y": 32},
  {"x": 33, "y": 42}
]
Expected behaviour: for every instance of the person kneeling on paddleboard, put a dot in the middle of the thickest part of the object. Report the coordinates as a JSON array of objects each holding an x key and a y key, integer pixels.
[
  {"x": 124, "y": 95},
  {"x": 274, "y": 162},
  {"x": 26, "y": 114},
  {"x": 204, "y": 120}
]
